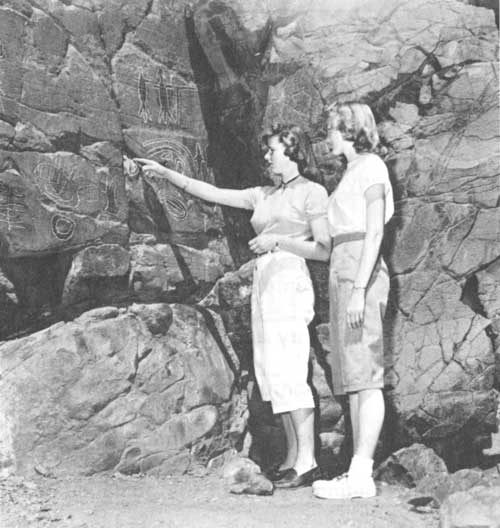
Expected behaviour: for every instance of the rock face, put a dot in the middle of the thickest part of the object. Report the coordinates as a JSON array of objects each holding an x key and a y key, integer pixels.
[
  {"x": 85, "y": 86},
  {"x": 80, "y": 86},
  {"x": 146, "y": 388}
]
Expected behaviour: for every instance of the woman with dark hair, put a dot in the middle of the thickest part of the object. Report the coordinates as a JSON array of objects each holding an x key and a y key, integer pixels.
[
  {"x": 289, "y": 218},
  {"x": 359, "y": 285}
]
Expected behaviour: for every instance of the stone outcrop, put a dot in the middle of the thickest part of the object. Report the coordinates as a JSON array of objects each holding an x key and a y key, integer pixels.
[{"x": 146, "y": 388}]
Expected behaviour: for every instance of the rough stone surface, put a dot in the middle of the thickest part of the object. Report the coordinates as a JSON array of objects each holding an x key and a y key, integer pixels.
[
  {"x": 410, "y": 465},
  {"x": 116, "y": 389},
  {"x": 84, "y": 83},
  {"x": 89, "y": 267},
  {"x": 243, "y": 476},
  {"x": 81, "y": 85},
  {"x": 476, "y": 508},
  {"x": 420, "y": 468},
  {"x": 440, "y": 487},
  {"x": 53, "y": 202},
  {"x": 157, "y": 270}
]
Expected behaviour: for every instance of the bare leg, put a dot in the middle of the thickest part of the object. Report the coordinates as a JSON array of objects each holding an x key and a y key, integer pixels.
[
  {"x": 371, "y": 418},
  {"x": 354, "y": 414},
  {"x": 291, "y": 441},
  {"x": 367, "y": 416},
  {"x": 303, "y": 422}
]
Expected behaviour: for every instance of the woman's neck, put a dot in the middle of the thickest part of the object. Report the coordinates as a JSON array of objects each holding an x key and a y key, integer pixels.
[
  {"x": 290, "y": 175},
  {"x": 350, "y": 152}
]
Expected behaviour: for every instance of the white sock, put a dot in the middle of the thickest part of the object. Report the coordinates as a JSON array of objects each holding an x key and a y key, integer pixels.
[{"x": 361, "y": 466}]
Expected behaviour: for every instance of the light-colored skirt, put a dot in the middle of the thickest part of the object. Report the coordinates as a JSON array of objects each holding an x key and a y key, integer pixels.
[
  {"x": 282, "y": 307},
  {"x": 357, "y": 356}
]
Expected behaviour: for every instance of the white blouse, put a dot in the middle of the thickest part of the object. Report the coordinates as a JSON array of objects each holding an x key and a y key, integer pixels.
[
  {"x": 288, "y": 210},
  {"x": 347, "y": 204}
]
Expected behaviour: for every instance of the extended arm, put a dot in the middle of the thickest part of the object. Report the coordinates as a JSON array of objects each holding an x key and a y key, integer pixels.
[
  {"x": 316, "y": 249},
  {"x": 203, "y": 190}
]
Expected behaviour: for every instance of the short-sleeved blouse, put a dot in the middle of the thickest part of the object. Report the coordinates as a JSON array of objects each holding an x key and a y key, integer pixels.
[
  {"x": 347, "y": 204},
  {"x": 287, "y": 210}
]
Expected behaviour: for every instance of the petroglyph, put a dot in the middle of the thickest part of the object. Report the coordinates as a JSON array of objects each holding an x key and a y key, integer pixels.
[
  {"x": 164, "y": 115},
  {"x": 144, "y": 112},
  {"x": 13, "y": 208},
  {"x": 62, "y": 227},
  {"x": 63, "y": 187},
  {"x": 172, "y": 154},
  {"x": 201, "y": 163},
  {"x": 108, "y": 190},
  {"x": 173, "y": 99},
  {"x": 2, "y": 96}
]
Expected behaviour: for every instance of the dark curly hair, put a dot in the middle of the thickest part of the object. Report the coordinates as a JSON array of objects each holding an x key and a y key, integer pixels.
[{"x": 297, "y": 147}]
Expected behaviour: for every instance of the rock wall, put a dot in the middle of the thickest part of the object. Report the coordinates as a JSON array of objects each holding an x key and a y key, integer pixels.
[
  {"x": 86, "y": 85},
  {"x": 82, "y": 85}
]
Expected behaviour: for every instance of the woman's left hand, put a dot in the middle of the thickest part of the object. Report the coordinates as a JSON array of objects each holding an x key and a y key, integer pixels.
[
  {"x": 356, "y": 308},
  {"x": 263, "y": 243}
]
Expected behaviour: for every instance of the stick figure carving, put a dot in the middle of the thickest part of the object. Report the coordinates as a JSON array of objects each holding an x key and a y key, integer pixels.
[
  {"x": 12, "y": 206},
  {"x": 162, "y": 97},
  {"x": 144, "y": 113}
]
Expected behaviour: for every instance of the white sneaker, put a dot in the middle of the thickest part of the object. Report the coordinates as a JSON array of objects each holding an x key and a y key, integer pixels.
[{"x": 345, "y": 487}]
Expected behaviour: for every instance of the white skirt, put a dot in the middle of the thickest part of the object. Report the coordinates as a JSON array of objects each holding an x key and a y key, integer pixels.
[{"x": 282, "y": 307}]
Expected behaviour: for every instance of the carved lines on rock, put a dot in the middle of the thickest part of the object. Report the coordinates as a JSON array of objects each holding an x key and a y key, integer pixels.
[
  {"x": 12, "y": 206},
  {"x": 171, "y": 98}
]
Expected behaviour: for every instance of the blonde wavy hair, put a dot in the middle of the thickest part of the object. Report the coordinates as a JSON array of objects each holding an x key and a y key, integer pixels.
[{"x": 356, "y": 123}]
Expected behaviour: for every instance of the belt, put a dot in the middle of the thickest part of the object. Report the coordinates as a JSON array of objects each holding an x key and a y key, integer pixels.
[{"x": 347, "y": 237}]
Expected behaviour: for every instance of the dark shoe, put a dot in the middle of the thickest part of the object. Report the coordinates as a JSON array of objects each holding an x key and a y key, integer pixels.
[
  {"x": 292, "y": 480},
  {"x": 277, "y": 474}
]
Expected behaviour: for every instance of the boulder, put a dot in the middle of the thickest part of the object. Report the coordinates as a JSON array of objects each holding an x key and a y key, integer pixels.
[
  {"x": 476, "y": 508},
  {"x": 409, "y": 465},
  {"x": 118, "y": 389},
  {"x": 243, "y": 476}
]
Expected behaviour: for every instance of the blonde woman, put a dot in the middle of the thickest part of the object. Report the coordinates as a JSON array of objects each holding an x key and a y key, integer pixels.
[
  {"x": 289, "y": 218},
  {"x": 359, "y": 284}
]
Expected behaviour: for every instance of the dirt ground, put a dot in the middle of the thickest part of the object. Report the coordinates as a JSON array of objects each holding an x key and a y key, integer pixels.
[{"x": 188, "y": 501}]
